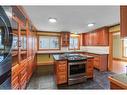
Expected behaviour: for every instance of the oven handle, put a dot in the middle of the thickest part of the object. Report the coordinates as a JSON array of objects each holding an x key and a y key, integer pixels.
[
  {"x": 78, "y": 78},
  {"x": 77, "y": 63}
]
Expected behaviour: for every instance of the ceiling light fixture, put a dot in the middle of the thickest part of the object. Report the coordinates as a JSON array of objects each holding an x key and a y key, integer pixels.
[
  {"x": 52, "y": 20},
  {"x": 90, "y": 24},
  {"x": 76, "y": 33}
]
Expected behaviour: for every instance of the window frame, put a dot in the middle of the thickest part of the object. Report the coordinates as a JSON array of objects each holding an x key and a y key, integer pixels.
[
  {"x": 41, "y": 49},
  {"x": 123, "y": 49},
  {"x": 75, "y": 36}
]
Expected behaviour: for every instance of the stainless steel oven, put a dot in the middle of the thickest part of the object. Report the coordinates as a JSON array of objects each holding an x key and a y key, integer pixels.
[{"x": 76, "y": 72}]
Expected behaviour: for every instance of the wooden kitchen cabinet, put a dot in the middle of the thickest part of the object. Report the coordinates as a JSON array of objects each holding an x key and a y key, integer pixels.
[
  {"x": 15, "y": 77},
  {"x": 23, "y": 49},
  {"x": 98, "y": 37},
  {"x": 123, "y": 21},
  {"x": 89, "y": 68},
  {"x": 102, "y": 36},
  {"x": 61, "y": 72},
  {"x": 101, "y": 62},
  {"x": 65, "y": 38}
]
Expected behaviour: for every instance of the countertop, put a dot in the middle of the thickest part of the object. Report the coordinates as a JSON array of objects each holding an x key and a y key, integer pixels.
[
  {"x": 58, "y": 57},
  {"x": 120, "y": 77},
  {"x": 69, "y": 51},
  {"x": 120, "y": 80}
]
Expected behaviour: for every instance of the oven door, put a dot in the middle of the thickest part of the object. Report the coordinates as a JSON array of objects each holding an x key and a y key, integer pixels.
[{"x": 77, "y": 69}]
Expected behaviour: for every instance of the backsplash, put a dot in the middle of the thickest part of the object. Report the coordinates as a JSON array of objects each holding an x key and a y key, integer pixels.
[
  {"x": 96, "y": 49},
  {"x": 90, "y": 49}
]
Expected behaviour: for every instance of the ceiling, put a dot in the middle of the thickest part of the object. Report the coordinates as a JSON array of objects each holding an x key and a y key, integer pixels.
[{"x": 73, "y": 18}]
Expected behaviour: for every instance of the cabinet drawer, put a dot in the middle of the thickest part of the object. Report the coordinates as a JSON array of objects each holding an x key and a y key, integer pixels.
[
  {"x": 90, "y": 66},
  {"x": 15, "y": 80},
  {"x": 62, "y": 73},
  {"x": 15, "y": 70},
  {"x": 15, "y": 83},
  {"x": 62, "y": 68},
  {"x": 62, "y": 79}
]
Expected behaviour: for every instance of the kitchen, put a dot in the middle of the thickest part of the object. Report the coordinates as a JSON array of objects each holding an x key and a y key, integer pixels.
[{"x": 49, "y": 48}]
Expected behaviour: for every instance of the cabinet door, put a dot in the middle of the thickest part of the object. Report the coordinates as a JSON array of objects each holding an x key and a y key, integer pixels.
[
  {"x": 102, "y": 36},
  {"x": 84, "y": 39},
  {"x": 123, "y": 21},
  {"x": 61, "y": 72},
  {"x": 95, "y": 38},
  {"x": 97, "y": 62},
  {"x": 89, "y": 71},
  {"x": 65, "y": 37}
]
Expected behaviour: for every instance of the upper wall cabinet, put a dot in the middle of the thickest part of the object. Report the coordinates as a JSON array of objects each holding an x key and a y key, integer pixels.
[
  {"x": 123, "y": 21},
  {"x": 65, "y": 37},
  {"x": 98, "y": 37}
]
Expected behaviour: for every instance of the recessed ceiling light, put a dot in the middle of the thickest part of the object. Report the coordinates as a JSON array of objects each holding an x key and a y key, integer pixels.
[
  {"x": 52, "y": 20},
  {"x": 76, "y": 33},
  {"x": 90, "y": 24}
]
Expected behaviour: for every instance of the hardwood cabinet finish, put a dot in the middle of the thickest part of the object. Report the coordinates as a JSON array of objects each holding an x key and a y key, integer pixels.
[
  {"x": 89, "y": 68},
  {"x": 123, "y": 21},
  {"x": 103, "y": 36},
  {"x": 98, "y": 37},
  {"x": 61, "y": 72},
  {"x": 23, "y": 50},
  {"x": 65, "y": 38},
  {"x": 101, "y": 62}
]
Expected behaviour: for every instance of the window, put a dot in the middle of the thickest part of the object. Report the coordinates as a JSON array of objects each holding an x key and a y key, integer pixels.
[
  {"x": 15, "y": 42},
  {"x": 23, "y": 42},
  {"x": 125, "y": 47},
  {"x": 74, "y": 42},
  {"x": 49, "y": 42}
]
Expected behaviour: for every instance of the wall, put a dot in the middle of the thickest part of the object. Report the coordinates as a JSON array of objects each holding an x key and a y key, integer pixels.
[
  {"x": 44, "y": 59},
  {"x": 114, "y": 28}
]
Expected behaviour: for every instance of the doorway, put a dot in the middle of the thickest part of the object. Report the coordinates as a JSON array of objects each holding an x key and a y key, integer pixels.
[{"x": 117, "y": 63}]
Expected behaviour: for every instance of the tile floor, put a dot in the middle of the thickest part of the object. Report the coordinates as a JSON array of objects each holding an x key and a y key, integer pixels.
[{"x": 42, "y": 80}]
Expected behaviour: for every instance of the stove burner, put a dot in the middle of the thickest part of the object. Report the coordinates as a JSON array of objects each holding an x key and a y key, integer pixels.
[{"x": 75, "y": 57}]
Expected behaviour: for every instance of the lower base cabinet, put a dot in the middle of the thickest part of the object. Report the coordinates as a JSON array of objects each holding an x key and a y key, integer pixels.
[
  {"x": 101, "y": 62},
  {"x": 21, "y": 73},
  {"x": 15, "y": 83},
  {"x": 89, "y": 68},
  {"x": 61, "y": 72}
]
